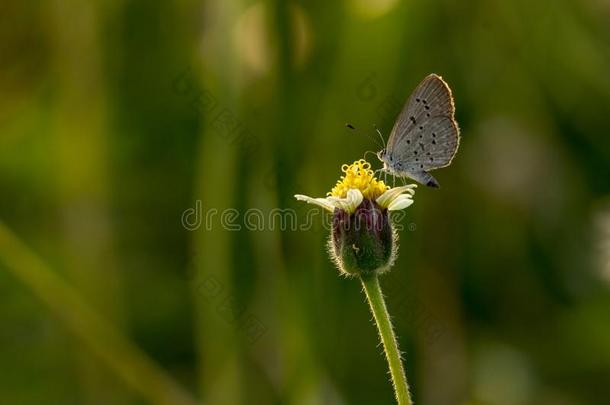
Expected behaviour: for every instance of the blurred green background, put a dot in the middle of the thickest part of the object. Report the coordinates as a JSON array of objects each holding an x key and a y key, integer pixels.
[{"x": 121, "y": 119}]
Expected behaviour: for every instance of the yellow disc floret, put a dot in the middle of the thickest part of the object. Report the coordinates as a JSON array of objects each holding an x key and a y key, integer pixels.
[{"x": 359, "y": 175}]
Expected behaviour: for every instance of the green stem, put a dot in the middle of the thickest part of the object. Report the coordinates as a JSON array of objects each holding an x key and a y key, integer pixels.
[{"x": 390, "y": 345}]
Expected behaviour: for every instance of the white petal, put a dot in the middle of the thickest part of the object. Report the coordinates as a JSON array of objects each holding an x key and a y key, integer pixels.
[
  {"x": 355, "y": 197},
  {"x": 400, "y": 202},
  {"x": 320, "y": 202},
  {"x": 350, "y": 202},
  {"x": 385, "y": 199}
]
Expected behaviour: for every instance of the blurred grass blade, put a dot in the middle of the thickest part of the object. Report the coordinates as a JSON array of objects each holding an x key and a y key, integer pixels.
[{"x": 129, "y": 362}]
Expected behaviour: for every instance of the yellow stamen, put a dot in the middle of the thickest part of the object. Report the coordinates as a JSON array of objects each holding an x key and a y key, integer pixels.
[{"x": 358, "y": 175}]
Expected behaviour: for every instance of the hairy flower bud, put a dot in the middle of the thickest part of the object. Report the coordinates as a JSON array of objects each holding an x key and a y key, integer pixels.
[{"x": 363, "y": 242}]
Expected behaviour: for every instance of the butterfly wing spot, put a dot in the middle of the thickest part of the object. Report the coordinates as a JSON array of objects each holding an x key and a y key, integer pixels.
[
  {"x": 433, "y": 184},
  {"x": 433, "y": 142},
  {"x": 412, "y": 118}
]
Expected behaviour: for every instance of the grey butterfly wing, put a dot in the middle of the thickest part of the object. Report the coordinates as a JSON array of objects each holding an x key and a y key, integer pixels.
[
  {"x": 425, "y": 136},
  {"x": 430, "y": 145}
]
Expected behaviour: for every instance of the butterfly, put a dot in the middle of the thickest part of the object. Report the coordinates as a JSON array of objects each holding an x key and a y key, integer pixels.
[{"x": 425, "y": 136}]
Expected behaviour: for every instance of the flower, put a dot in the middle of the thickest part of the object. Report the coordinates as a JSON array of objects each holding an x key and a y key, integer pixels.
[
  {"x": 363, "y": 240},
  {"x": 359, "y": 183}
]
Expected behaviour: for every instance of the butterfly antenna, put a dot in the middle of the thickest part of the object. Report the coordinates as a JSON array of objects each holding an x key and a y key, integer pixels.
[
  {"x": 350, "y": 126},
  {"x": 381, "y": 136}
]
